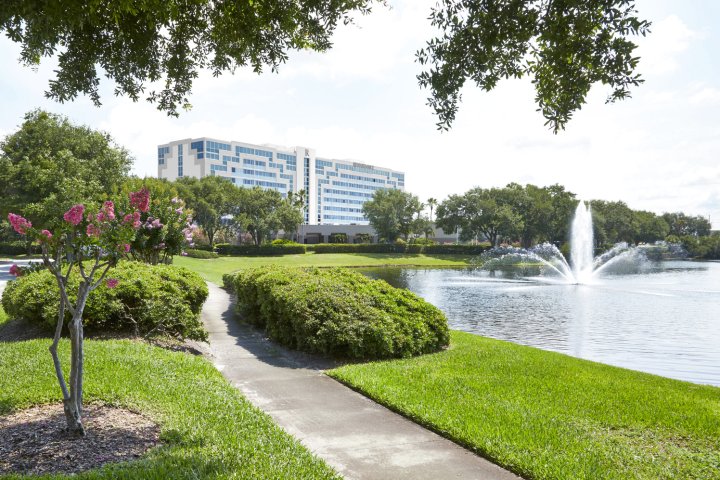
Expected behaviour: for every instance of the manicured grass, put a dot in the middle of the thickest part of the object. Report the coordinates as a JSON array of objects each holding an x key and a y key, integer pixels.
[
  {"x": 213, "y": 269},
  {"x": 549, "y": 416},
  {"x": 209, "y": 430}
]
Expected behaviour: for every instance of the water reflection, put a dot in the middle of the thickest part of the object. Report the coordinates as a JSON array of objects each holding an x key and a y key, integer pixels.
[{"x": 664, "y": 320}]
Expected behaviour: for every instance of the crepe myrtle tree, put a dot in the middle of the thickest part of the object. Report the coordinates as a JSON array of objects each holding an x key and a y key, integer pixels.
[
  {"x": 164, "y": 226},
  {"x": 90, "y": 241}
]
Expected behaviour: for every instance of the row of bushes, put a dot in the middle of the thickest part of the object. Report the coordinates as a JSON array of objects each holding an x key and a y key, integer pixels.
[
  {"x": 148, "y": 298},
  {"x": 198, "y": 253},
  {"x": 338, "y": 312},
  {"x": 261, "y": 251},
  {"x": 291, "y": 249},
  {"x": 18, "y": 247}
]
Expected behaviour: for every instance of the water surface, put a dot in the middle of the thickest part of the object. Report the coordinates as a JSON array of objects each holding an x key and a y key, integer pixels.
[{"x": 665, "y": 320}]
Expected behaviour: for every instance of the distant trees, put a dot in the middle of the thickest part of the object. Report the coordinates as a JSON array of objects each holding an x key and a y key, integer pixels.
[
  {"x": 530, "y": 214},
  {"x": 394, "y": 213},
  {"x": 527, "y": 214},
  {"x": 681, "y": 224},
  {"x": 50, "y": 164},
  {"x": 210, "y": 198},
  {"x": 262, "y": 213}
]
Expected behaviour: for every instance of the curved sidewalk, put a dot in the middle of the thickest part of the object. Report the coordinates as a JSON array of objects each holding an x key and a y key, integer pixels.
[{"x": 356, "y": 436}]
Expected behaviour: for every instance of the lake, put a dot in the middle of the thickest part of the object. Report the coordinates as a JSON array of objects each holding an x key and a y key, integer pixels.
[{"x": 664, "y": 320}]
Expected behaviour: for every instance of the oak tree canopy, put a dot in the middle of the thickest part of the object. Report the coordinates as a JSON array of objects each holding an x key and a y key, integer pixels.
[{"x": 156, "y": 48}]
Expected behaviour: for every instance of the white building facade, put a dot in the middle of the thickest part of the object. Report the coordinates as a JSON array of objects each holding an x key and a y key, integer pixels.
[{"x": 336, "y": 189}]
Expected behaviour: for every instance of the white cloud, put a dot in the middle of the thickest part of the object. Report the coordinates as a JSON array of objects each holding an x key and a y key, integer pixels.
[
  {"x": 371, "y": 47},
  {"x": 659, "y": 51},
  {"x": 706, "y": 96}
]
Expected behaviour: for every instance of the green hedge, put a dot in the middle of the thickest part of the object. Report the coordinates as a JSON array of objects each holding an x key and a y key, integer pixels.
[
  {"x": 158, "y": 298},
  {"x": 398, "y": 248},
  {"x": 17, "y": 248},
  {"x": 338, "y": 312},
  {"x": 195, "y": 253},
  {"x": 261, "y": 251}
]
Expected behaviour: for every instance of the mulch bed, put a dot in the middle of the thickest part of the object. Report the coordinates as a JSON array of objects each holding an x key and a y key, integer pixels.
[{"x": 34, "y": 441}]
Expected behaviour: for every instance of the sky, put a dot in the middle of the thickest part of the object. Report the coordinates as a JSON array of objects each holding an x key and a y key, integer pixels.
[{"x": 658, "y": 151}]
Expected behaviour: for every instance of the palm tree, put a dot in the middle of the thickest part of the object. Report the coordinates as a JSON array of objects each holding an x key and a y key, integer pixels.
[
  {"x": 299, "y": 201},
  {"x": 432, "y": 203}
]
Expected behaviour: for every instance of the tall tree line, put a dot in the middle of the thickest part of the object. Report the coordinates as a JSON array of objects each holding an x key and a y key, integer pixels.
[{"x": 530, "y": 214}]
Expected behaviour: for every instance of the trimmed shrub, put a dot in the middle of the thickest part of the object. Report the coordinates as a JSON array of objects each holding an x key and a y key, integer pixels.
[
  {"x": 284, "y": 241},
  {"x": 203, "y": 246},
  {"x": 194, "y": 253},
  {"x": 18, "y": 247},
  {"x": 338, "y": 312},
  {"x": 148, "y": 298},
  {"x": 456, "y": 249},
  {"x": 338, "y": 238},
  {"x": 398, "y": 248},
  {"x": 261, "y": 251},
  {"x": 356, "y": 248},
  {"x": 363, "y": 238},
  {"x": 423, "y": 241},
  {"x": 296, "y": 248}
]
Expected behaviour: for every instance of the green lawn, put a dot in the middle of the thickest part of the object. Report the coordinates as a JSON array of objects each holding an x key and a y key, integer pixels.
[
  {"x": 550, "y": 416},
  {"x": 213, "y": 269},
  {"x": 209, "y": 430}
]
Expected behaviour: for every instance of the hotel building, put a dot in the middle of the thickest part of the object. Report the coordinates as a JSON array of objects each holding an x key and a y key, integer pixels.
[{"x": 336, "y": 189}]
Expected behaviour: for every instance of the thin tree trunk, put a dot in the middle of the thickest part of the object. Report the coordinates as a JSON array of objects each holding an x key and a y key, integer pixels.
[
  {"x": 73, "y": 405},
  {"x": 53, "y": 351}
]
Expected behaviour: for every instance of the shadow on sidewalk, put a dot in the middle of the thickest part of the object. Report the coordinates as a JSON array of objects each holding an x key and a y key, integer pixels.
[{"x": 224, "y": 320}]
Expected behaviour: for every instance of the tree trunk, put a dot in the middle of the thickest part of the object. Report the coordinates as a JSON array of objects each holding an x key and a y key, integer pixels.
[{"x": 73, "y": 404}]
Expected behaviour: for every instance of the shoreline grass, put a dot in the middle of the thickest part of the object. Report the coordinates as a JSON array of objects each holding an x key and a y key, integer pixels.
[
  {"x": 213, "y": 269},
  {"x": 546, "y": 415},
  {"x": 208, "y": 429}
]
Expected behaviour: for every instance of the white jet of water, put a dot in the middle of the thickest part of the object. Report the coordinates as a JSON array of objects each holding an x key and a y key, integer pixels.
[
  {"x": 583, "y": 268},
  {"x": 582, "y": 244}
]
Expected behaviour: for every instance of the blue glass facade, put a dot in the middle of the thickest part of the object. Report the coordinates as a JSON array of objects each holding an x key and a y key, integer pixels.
[{"x": 336, "y": 189}]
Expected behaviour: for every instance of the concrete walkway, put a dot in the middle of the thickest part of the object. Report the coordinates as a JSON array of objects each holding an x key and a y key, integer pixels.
[{"x": 358, "y": 437}]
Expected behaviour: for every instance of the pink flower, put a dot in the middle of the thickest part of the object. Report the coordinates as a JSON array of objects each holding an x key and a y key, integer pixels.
[
  {"x": 111, "y": 282},
  {"x": 183, "y": 253},
  {"x": 140, "y": 199},
  {"x": 19, "y": 224},
  {"x": 175, "y": 200},
  {"x": 179, "y": 211},
  {"x": 108, "y": 209},
  {"x": 15, "y": 270},
  {"x": 46, "y": 234},
  {"x": 156, "y": 223},
  {"x": 93, "y": 230},
  {"x": 126, "y": 247},
  {"x": 75, "y": 214}
]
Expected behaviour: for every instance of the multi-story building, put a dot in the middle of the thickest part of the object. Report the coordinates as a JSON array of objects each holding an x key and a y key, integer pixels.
[{"x": 336, "y": 189}]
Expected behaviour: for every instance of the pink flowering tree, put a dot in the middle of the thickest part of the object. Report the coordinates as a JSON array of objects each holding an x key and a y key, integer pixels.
[
  {"x": 91, "y": 242},
  {"x": 164, "y": 227}
]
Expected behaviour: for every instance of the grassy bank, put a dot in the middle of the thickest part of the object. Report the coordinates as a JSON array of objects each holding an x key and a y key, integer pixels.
[
  {"x": 549, "y": 416},
  {"x": 209, "y": 430},
  {"x": 213, "y": 269}
]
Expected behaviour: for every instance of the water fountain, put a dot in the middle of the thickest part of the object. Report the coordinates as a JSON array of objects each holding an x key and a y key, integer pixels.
[{"x": 583, "y": 267}]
